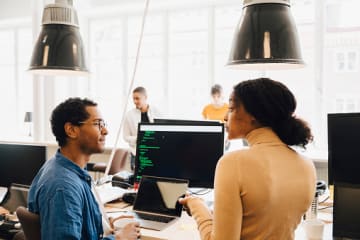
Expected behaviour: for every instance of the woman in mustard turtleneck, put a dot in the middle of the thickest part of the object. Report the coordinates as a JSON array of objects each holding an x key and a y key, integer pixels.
[{"x": 263, "y": 191}]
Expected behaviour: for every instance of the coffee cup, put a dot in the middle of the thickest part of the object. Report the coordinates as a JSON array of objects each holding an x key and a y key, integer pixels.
[{"x": 314, "y": 229}]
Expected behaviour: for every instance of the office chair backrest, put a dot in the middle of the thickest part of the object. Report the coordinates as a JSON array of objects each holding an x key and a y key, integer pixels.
[
  {"x": 30, "y": 223},
  {"x": 118, "y": 163}
]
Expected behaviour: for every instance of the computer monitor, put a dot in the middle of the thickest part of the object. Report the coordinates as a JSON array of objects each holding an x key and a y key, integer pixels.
[
  {"x": 19, "y": 163},
  {"x": 346, "y": 212},
  {"x": 343, "y": 148},
  {"x": 186, "y": 121},
  {"x": 182, "y": 150}
]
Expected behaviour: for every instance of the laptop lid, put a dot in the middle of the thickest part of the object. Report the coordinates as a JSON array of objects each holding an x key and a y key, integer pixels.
[
  {"x": 16, "y": 196},
  {"x": 160, "y": 195}
]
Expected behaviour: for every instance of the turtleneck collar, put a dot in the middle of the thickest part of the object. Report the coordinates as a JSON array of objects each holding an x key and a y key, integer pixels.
[{"x": 263, "y": 135}]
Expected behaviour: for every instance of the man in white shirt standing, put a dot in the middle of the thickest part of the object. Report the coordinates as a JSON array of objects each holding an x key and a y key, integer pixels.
[{"x": 142, "y": 112}]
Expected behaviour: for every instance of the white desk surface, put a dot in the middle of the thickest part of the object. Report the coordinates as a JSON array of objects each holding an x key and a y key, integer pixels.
[{"x": 186, "y": 228}]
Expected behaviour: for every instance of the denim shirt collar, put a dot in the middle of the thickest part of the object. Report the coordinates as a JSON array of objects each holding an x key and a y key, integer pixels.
[{"x": 70, "y": 165}]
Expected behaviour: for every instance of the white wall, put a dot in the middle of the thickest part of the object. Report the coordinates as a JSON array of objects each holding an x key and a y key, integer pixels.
[{"x": 15, "y": 9}]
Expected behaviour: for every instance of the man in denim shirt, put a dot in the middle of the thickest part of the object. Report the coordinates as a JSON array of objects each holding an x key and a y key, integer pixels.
[{"x": 61, "y": 191}]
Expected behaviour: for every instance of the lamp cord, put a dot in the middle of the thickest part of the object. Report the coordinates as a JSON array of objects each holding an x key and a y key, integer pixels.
[{"x": 130, "y": 89}]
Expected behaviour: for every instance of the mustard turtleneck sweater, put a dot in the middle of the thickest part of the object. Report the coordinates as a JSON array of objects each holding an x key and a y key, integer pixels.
[{"x": 259, "y": 193}]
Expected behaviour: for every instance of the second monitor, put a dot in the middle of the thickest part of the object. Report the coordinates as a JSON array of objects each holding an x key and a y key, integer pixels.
[{"x": 179, "y": 150}]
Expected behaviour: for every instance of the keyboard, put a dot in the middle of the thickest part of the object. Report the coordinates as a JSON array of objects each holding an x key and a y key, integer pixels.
[
  {"x": 156, "y": 218},
  {"x": 108, "y": 193}
]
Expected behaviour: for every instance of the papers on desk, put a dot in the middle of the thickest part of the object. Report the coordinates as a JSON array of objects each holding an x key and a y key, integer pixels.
[
  {"x": 3, "y": 191},
  {"x": 108, "y": 193}
]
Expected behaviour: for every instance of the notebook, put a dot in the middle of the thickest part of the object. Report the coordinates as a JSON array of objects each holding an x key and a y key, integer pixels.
[
  {"x": 156, "y": 205},
  {"x": 3, "y": 191},
  {"x": 17, "y": 196},
  {"x": 108, "y": 193}
]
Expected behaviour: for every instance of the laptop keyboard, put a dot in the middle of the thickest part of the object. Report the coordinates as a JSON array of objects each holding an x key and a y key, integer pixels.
[{"x": 155, "y": 218}]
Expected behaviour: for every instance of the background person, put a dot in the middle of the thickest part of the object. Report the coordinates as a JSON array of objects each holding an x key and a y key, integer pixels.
[
  {"x": 217, "y": 109},
  {"x": 61, "y": 192},
  {"x": 143, "y": 112},
  {"x": 263, "y": 191}
]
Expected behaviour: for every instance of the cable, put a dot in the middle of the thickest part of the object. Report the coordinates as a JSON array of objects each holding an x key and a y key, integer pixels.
[
  {"x": 130, "y": 89},
  {"x": 323, "y": 208},
  {"x": 324, "y": 200},
  {"x": 202, "y": 191}
]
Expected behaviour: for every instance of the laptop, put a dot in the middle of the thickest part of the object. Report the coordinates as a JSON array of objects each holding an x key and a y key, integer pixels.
[
  {"x": 156, "y": 204},
  {"x": 17, "y": 196}
]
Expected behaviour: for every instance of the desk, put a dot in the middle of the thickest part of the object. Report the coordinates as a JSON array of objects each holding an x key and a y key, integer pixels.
[{"x": 186, "y": 228}]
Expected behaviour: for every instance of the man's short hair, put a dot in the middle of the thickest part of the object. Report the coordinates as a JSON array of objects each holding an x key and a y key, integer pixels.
[
  {"x": 141, "y": 90},
  {"x": 72, "y": 110},
  {"x": 216, "y": 89}
]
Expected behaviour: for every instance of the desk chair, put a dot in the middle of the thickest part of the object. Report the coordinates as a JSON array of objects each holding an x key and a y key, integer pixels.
[
  {"x": 30, "y": 223},
  {"x": 121, "y": 156}
]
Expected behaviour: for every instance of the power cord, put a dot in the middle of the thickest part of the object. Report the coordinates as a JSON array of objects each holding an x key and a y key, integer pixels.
[{"x": 202, "y": 191}]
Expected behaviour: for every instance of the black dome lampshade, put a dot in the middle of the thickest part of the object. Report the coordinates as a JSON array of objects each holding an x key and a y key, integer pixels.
[
  {"x": 59, "y": 49},
  {"x": 266, "y": 37}
]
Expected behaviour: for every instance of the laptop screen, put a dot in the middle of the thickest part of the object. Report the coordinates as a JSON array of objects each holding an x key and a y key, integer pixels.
[{"x": 160, "y": 195}]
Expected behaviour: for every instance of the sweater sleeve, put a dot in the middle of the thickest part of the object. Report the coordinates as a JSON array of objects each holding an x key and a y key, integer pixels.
[
  {"x": 227, "y": 219},
  {"x": 228, "y": 209},
  {"x": 202, "y": 216}
]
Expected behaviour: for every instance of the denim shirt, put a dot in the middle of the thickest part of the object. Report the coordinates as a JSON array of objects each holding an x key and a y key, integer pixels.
[{"x": 61, "y": 194}]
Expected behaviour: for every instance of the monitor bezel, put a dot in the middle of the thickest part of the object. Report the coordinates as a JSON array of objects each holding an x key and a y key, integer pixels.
[
  {"x": 17, "y": 147},
  {"x": 332, "y": 117},
  {"x": 196, "y": 184}
]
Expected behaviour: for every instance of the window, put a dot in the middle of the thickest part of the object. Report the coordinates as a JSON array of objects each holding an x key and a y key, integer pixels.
[
  {"x": 347, "y": 104},
  {"x": 188, "y": 62},
  {"x": 184, "y": 51},
  {"x": 16, "y": 84},
  {"x": 346, "y": 61}
]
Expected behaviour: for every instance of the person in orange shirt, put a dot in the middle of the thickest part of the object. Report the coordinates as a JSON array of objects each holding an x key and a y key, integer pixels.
[{"x": 218, "y": 108}]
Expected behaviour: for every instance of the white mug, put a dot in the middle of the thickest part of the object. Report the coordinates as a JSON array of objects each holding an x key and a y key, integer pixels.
[{"x": 314, "y": 229}]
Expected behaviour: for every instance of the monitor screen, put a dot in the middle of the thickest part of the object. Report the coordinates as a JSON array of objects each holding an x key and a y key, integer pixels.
[
  {"x": 343, "y": 148},
  {"x": 186, "y": 121},
  {"x": 185, "y": 151},
  {"x": 20, "y": 163}
]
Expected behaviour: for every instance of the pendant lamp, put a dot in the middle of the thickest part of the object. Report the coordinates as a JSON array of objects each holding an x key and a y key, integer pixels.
[
  {"x": 266, "y": 37},
  {"x": 59, "y": 48}
]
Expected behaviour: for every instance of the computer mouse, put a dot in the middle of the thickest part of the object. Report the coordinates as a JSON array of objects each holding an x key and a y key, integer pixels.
[{"x": 129, "y": 197}]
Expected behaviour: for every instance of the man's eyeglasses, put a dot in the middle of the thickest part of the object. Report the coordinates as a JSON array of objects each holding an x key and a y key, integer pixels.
[{"x": 100, "y": 123}]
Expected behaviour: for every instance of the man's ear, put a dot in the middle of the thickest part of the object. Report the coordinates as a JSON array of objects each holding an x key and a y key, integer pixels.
[{"x": 71, "y": 130}]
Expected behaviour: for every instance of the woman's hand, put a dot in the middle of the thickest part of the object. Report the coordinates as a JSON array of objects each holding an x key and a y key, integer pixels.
[
  {"x": 130, "y": 231},
  {"x": 185, "y": 202}
]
